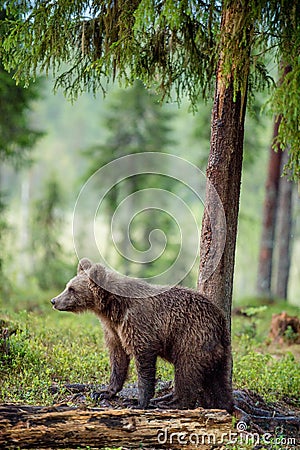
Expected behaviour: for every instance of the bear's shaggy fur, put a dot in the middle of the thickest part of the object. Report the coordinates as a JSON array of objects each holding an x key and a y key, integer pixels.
[{"x": 139, "y": 320}]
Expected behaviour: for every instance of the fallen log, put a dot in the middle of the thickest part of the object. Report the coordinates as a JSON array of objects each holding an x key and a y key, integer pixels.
[{"x": 71, "y": 427}]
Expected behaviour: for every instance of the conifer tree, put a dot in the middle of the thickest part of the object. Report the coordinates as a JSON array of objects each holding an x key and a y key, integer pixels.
[
  {"x": 51, "y": 267},
  {"x": 17, "y": 137},
  {"x": 134, "y": 122}
]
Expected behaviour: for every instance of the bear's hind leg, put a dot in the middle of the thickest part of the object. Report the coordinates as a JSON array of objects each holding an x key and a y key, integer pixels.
[
  {"x": 187, "y": 388},
  {"x": 217, "y": 384},
  {"x": 146, "y": 369},
  {"x": 218, "y": 391}
]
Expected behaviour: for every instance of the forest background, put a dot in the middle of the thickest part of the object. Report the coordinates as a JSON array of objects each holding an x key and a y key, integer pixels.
[{"x": 73, "y": 146}]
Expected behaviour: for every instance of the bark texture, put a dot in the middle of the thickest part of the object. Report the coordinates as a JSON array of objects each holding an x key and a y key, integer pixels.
[
  {"x": 69, "y": 427},
  {"x": 225, "y": 162}
]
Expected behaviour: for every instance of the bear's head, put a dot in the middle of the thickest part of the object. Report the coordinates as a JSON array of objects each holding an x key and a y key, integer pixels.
[
  {"x": 78, "y": 295},
  {"x": 95, "y": 286}
]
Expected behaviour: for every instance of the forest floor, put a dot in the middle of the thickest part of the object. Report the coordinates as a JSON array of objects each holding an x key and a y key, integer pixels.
[{"x": 48, "y": 357}]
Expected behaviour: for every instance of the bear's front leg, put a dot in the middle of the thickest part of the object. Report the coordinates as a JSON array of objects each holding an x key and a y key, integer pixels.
[
  {"x": 119, "y": 363},
  {"x": 146, "y": 369}
]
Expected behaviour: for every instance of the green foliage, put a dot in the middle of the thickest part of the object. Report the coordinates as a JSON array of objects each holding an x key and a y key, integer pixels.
[
  {"x": 175, "y": 45},
  {"x": 4, "y": 284},
  {"x": 268, "y": 376},
  {"x": 290, "y": 334},
  {"x": 251, "y": 330},
  {"x": 44, "y": 351},
  {"x": 51, "y": 268},
  {"x": 47, "y": 349},
  {"x": 16, "y": 134},
  {"x": 135, "y": 122},
  {"x": 285, "y": 102},
  {"x": 272, "y": 373},
  {"x": 250, "y": 327},
  {"x": 17, "y": 137},
  {"x": 254, "y": 310}
]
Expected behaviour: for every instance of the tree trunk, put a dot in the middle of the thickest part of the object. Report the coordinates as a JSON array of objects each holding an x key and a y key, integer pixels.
[
  {"x": 284, "y": 234},
  {"x": 225, "y": 161},
  {"x": 264, "y": 276},
  {"x": 69, "y": 427},
  {"x": 24, "y": 259},
  {"x": 265, "y": 263}
]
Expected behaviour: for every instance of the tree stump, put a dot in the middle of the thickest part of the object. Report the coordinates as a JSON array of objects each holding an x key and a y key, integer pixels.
[{"x": 285, "y": 329}]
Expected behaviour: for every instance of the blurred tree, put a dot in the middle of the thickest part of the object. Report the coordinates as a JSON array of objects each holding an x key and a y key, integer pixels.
[
  {"x": 4, "y": 283},
  {"x": 17, "y": 137},
  {"x": 265, "y": 263},
  {"x": 182, "y": 47},
  {"x": 284, "y": 233},
  {"x": 50, "y": 265},
  {"x": 134, "y": 122}
]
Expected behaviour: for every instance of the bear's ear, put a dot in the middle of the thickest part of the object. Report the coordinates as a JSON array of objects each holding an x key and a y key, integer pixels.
[
  {"x": 97, "y": 274},
  {"x": 84, "y": 265}
]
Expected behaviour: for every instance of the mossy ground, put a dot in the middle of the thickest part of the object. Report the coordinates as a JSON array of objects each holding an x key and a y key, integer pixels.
[{"x": 47, "y": 348}]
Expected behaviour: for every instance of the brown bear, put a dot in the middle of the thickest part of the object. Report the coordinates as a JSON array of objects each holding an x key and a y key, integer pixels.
[{"x": 144, "y": 322}]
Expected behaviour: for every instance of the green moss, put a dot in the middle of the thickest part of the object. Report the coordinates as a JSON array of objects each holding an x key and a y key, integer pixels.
[{"x": 48, "y": 347}]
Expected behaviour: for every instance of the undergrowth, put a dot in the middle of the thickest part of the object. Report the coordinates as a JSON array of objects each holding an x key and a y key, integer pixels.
[{"x": 47, "y": 348}]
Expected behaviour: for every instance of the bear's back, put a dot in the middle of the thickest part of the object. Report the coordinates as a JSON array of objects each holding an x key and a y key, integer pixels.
[{"x": 177, "y": 308}]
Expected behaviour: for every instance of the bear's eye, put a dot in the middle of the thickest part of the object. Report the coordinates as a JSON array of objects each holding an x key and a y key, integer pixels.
[{"x": 71, "y": 290}]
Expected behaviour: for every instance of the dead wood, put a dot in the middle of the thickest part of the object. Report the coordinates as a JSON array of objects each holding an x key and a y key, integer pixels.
[
  {"x": 63, "y": 426},
  {"x": 260, "y": 417},
  {"x": 70, "y": 427},
  {"x": 250, "y": 408},
  {"x": 285, "y": 329}
]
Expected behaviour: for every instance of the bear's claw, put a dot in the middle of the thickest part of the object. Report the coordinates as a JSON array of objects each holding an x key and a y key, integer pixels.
[{"x": 97, "y": 396}]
